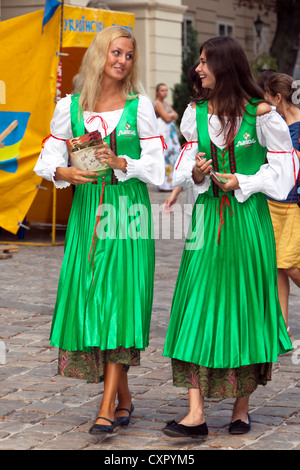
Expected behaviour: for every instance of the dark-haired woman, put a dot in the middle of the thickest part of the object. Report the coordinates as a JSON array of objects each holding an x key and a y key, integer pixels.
[
  {"x": 279, "y": 91},
  {"x": 226, "y": 327}
]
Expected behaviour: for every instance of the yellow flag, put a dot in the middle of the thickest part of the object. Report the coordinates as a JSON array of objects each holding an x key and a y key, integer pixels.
[{"x": 28, "y": 71}]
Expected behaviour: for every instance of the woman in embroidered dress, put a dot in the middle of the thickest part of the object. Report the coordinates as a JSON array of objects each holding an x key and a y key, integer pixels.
[
  {"x": 166, "y": 117},
  {"x": 279, "y": 91},
  {"x": 102, "y": 315},
  {"x": 226, "y": 326}
]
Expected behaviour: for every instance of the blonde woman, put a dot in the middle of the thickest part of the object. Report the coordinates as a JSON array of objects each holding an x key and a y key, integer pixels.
[
  {"x": 285, "y": 214},
  {"x": 102, "y": 315}
]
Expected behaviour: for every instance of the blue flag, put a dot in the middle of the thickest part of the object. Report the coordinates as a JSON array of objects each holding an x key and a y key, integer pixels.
[{"x": 50, "y": 8}]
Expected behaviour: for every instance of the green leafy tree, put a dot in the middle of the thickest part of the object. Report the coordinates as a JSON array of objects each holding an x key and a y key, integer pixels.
[
  {"x": 183, "y": 91},
  {"x": 263, "y": 62},
  {"x": 285, "y": 43}
]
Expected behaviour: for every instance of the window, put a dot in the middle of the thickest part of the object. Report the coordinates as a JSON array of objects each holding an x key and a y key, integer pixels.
[
  {"x": 224, "y": 28},
  {"x": 187, "y": 21}
]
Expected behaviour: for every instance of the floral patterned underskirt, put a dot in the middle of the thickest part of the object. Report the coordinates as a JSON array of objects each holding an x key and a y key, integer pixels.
[
  {"x": 221, "y": 383},
  {"x": 90, "y": 366}
]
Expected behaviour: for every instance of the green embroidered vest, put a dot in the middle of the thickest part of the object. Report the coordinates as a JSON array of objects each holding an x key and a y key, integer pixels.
[
  {"x": 244, "y": 155},
  {"x": 124, "y": 140}
]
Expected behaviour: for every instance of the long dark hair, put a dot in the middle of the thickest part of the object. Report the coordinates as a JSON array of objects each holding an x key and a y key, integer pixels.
[
  {"x": 234, "y": 81},
  {"x": 196, "y": 81}
]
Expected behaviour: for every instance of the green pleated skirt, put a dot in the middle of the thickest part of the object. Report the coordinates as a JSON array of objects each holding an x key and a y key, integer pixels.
[
  {"x": 225, "y": 311},
  {"x": 105, "y": 290}
]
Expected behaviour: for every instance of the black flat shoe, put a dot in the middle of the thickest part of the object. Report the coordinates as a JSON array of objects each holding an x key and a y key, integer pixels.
[
  {"x": 103, "y": 428},
  {"x": 124, "y": 420},
  {"x": 239, "y": 426},
  {"x": 174, "y": 429}
]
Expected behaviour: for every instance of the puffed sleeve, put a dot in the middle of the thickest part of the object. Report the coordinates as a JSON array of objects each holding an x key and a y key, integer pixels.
[
  {"x": 150, "y": 168},
  {"x": 55, "y": 153},
  {"x": 277, "y": 177},
  {"x": 186, "y": 161}
]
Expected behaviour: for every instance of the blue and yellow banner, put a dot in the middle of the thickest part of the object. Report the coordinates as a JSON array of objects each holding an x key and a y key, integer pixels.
[
  {"x": 30, "y": 62},
  {"x": 50, "y": 9},
  {"x": 14, "y": 125},
  {"x": 80, "y": 25}
]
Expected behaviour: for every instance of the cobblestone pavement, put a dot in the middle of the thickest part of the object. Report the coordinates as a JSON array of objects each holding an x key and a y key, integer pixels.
[{"x": 40, "y": 410}]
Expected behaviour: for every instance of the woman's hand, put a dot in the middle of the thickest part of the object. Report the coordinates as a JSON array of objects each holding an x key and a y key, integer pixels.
[
  {"x": 170, "y": 201},
  {"x": 232, "y": 181},
  {"x": 106, "y": 155},
  {"x": 74, "y": 176},
  {"x": 201, "y": 168}
]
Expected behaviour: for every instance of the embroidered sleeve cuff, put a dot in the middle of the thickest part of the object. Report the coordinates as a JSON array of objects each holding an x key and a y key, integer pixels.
[
  {"x": 144, "y": 169},
  {"x": 185, "y": 179},
  {"x": 249, "y": 184},
  {"x": 47, "y": 172},
  {"x": 59, "y": 184},
  {"x": 131, "y": 170},
  {"x": 203, "y": 186}
]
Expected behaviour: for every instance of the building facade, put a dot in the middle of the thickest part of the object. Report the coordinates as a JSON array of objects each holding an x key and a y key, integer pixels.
[{"x": 161, "y": 25}]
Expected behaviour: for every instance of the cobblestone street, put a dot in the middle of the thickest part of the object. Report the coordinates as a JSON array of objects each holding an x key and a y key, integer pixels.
[{"x": 40, "y": 410}]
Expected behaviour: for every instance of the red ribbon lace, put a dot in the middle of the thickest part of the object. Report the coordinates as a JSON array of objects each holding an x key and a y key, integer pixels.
[
  {"x": 103, "y": 122},
  {"x": 183, "y": 148},
  {"x": 47, "y": 138},
  {"x": 161, "y": 137},
  {"x": 221, "y": 218}
]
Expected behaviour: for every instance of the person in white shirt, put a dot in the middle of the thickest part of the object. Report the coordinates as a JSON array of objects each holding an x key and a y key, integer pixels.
[
  {"x": 226, "y": 326},
  {"x": 103, "y": 310}
]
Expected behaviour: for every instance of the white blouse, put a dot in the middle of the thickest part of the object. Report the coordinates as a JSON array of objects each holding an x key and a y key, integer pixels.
[
  {"x": 150, "y": 168},
  {"x": 275, "y": 178}
]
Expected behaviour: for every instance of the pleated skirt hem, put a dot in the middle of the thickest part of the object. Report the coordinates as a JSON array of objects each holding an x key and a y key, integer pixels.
[{"x": 222, "y": 364}]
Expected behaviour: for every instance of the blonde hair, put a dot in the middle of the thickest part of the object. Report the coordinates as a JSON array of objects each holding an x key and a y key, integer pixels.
[{"x": 88, "y": 81}]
